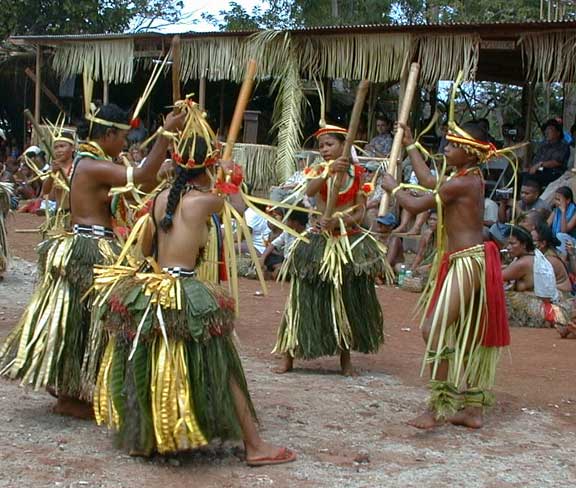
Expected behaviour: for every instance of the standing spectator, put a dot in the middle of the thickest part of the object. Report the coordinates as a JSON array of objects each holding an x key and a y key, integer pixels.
[
  {"x": 443, "y": 140},
  {"x": 381, "y": 145},
  {"x": 551, "y": 158}
]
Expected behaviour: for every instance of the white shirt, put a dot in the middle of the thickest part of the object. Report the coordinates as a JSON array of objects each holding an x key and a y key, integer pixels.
[
  {"x": 490, "y": 210},
  {"x": 260, "y": 230},
  {"x": 283, "y": 242}
]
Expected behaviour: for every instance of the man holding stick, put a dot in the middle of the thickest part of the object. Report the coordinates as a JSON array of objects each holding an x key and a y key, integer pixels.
[{"x": 465, "y": 323}]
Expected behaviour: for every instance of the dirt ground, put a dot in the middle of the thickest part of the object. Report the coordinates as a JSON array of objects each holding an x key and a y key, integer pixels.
[{"x": 348, "y": 431}]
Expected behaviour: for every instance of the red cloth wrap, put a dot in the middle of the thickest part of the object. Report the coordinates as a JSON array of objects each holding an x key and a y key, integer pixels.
[
  {"x": 350, "y": 194},
  {"x": 496, "y": 331}
]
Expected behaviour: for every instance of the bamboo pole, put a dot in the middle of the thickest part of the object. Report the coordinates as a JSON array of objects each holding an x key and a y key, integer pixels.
[
  {"x": 176, "y": 63},
  {"x": 361, "y": 94},
  {"x": 396, "y": 150},
  {"x": 38, "y": 85},
  {"x": 241, "y": 104}
]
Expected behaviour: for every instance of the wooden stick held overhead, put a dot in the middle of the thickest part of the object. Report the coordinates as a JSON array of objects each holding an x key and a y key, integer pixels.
[
  {"x": 176, "y": 64},
  {"x": 241, "y": 104},
  {"x": 361, "y": 94},
  {"x": 396, "y": 150}
]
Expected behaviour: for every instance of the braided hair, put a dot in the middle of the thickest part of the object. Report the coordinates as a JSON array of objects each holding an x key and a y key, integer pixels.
[{"x": 183, "y": 175}]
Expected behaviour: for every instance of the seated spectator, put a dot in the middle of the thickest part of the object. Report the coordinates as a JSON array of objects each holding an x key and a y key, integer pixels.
[
  {"x": 259, "y": 229},
  {"x": 485, "y": 124},
  {"x": 529, "y": 200},
  {"x": 546, "y": 243},
  {"x": 567, "y": 179},
  {"x": 381, "y": 145},
  {"x": 384, "y": 227},
  {"x": 533, "y": 299},
  {"x": 283, "y": 191},
  {"x": 277, "y": 251},
  {"x": 563, "y": 217},
  {"x": 551, "y": 158},
  {"x": 490, "y": 212},
  {"x": 426, "y": 247},
  {"x": 373, "y": 203}
]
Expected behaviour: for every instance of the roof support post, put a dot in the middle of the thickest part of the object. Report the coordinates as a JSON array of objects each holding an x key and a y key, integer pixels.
[
  {"x": 38, "y": 85},
  {"x": 202, "y": 93},
  {"x": 105, "y": 92}
]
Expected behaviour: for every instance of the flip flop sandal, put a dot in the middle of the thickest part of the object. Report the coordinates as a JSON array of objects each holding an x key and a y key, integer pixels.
[{"x": 284, "y": 456}]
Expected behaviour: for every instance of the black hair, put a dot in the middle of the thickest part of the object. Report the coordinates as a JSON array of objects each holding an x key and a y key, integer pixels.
[
  {"x": 183, "y": 175},
  {"x": 94, "y": 130},
  {"x": 531, "y": 183},
  {"x": 554, "y": 123},
  {"x": 546, "y": 234},
  {"x": 523, "y": 237},
  {"x": 476, "y": 130},
  {"x": 300, "y": 217},
  {"x": 566, "y": 192},
  {"x": 484, "y": 122}
]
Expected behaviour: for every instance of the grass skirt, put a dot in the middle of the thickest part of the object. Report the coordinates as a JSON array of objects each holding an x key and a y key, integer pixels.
[
  {"x": 332, "y": 304},
  {"x": 47, "y": 346},
  {"x": 472, "y": 359},
  {"x": 527, "y": 310},
  {"x": 164, "y": 381}
]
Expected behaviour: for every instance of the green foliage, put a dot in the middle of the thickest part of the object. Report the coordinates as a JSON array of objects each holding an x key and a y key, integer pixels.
[
  {"x": 283, "y": 14},
  {"x": 37, "y": 17}
]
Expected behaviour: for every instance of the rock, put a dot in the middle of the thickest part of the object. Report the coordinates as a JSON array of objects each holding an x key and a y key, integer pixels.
[{"x": 363, "y": 457}]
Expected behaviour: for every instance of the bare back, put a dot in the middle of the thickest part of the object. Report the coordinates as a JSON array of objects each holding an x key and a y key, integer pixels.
[
  {"x": 182, "y": 244},
  {"x": 463, "y": 199}
]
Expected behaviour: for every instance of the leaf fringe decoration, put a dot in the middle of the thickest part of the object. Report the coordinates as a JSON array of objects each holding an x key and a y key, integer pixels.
[
  {"x": 442, "y": 57},
  {"x": 374, "y": 57},
  {"x": 111, "y": 61},
  {"x": 549, "y": 57}
]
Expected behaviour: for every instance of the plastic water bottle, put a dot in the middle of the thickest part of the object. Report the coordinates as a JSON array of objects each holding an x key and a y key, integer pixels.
[{"x": 401, "y": 274}]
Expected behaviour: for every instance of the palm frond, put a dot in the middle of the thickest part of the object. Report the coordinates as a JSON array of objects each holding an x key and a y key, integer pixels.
[{"x": 549, "y": 56}]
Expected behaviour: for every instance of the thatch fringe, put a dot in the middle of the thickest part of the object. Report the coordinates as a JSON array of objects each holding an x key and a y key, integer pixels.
[
  {"x": 549, "y": 57},
  {"x": 111, "y": 61},
  {"x": 259, "y": 163},
  {"x": 374, "y": 57},
  {"x": 442, "y": 57}
]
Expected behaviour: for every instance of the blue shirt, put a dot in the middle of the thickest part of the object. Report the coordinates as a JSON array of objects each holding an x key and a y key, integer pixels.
[{"x": 557, "y": 220}]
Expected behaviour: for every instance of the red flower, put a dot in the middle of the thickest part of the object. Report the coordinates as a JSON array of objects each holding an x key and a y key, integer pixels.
[
  {"x": 176, "y": 157},
  {"x": 227, "y": 188},
  {"x": 237, "y": 175},
  {"x": 367, "y": 188},
  {"x": 135, "y": 123}
]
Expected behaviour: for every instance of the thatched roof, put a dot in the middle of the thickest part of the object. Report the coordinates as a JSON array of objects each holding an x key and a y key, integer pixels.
[{"x": 507, "y": 52}]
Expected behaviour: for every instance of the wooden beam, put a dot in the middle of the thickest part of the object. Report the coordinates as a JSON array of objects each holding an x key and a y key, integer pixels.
[
  {"x": 53, "y": 98},
  {"x": 37, "y": 89}
]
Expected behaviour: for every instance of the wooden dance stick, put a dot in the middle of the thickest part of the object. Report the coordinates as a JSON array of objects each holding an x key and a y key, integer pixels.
[
  {"x": 396, "y": 150},
  {"x": 241, "y": 104},
  {"x": 176, "y": 63},
  {"x": 361, "y": 94}
]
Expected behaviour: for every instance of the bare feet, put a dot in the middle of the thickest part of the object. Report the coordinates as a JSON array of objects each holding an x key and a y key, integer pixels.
[
  {"x": 73, "y": 407},
  {"x": 287, "y": 365},
  {"x": 425, "y": 421},
  {"x": 265, "y": 454},
  {"x": 470, "y": 417},
  {"x": 566, "y": 331},
  {"x": 346, "y": 364}
]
